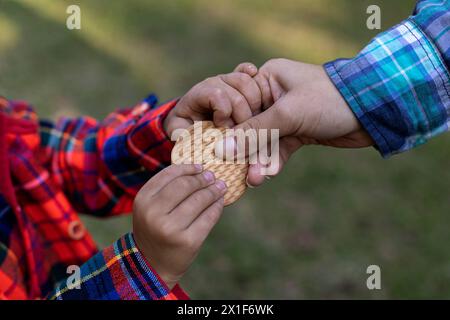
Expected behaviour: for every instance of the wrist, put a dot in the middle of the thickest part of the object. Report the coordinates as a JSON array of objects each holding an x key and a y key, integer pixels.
[{"x": 347, "y": 119}]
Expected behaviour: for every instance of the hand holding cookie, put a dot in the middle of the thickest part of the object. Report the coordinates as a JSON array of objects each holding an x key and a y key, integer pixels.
[
  {"x": 227, "y": 99},
  {"x": 173, "y": 214}
]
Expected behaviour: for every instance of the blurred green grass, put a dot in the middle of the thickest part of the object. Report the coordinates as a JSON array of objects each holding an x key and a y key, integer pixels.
[{"x": 310, "y": 232}]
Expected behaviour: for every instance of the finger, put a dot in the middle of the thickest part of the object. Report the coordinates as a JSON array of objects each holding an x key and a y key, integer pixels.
[
  {"x": 248, "y": 68},
  {"x": 262, "y": 80},
  {"x": 181, "y": 188},
  {"x": 221, "y": 106},
  {"x": 254, "y": 176},
  {"x": 187, "y": 211},
  {"x": 210, "y": 98},
  {"x": 247, "y": 86},
  {"x": 178, "y": 123},
  {"x": 241, "y": 110},
  {"x": 161, "y": 179},
  {"x": 273, "y": 118},
  {"x": 276, "y": 117},
  {"x": 205, "y": 222},
  {"x": 258, "y": 173}
]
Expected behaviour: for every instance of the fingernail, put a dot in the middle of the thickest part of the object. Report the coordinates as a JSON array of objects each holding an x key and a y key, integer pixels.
[
  {"x": 198, "y": 167},
  {"x": 209, "y": 176},
  {"x": 225, "y": 147},
  {"x": 268, "y": 177},
  {"x": 221, "y": 185}
]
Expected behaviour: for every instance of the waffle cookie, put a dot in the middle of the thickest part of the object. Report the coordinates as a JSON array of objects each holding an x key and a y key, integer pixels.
[{"x": 196, "y": 146}]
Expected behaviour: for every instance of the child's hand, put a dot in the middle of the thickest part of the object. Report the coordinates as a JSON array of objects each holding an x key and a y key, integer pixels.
[
  {"x": 173, "y": 214},
  {"x": 227, "y": 99}
]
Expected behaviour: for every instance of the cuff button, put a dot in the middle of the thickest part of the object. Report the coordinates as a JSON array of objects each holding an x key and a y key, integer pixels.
[{"x": 76, "y": 230}]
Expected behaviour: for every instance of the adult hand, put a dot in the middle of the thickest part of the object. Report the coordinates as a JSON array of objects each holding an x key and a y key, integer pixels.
[{"x": 300, "y": 100}]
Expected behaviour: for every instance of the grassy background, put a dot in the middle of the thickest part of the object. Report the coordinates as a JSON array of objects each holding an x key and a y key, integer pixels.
[{"x": 312, "y": 231}]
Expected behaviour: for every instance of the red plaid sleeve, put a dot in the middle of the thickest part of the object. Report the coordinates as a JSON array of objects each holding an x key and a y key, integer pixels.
[
  {"x": 119, "y": 272},
  {"x": 101, "y": 165}
]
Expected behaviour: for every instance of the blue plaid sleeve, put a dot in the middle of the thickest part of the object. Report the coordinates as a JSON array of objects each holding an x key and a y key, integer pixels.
[
  {"x": 399, "y": 84},
  {"x": 119, "y": 272}
]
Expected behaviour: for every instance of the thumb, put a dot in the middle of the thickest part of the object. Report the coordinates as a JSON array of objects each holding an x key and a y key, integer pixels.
[
  {"x": 274, "y": 117},
  {"x": 246, "y": 139}
]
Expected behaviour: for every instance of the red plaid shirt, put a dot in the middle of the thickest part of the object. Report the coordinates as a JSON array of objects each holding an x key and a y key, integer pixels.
[{"x": 50, "y": 172}]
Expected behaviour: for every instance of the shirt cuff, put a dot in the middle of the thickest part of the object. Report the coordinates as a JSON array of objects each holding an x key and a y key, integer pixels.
[
  {"x": 398, "y": 87},
  {"x": 148, "y": 140},
  {"x": 119, "y": 272},
  {"x": 177, "y": 293},
  {"x": 141, "y": 147}
]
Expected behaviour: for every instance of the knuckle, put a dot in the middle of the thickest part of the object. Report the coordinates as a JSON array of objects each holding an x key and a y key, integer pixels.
[
  {"x": 139, "y": 204},
  {"x": 205, "y": 196},
  {"x": 269, "y": 63},
  {"x": 217, "y": 93},
  {"x": 255, "y": 101},
  {"x": 238, "y": 100},
  {"x": 191, "y": 243},
  {"x": 198, "y": 197},
  {"x": 224, "y": 110},
  {"x": 211, "y": 216},
  {"x": 212, "y": 193},
  {"x": 189, "y": 206},
  {"x": 166, "y": 230},
  {"x": 170, "y": 170},
  {"x": 208, "y": 80},
  {"x": 197, "y": 87},
  {"x": 242, "y": 77},
  {"x": 272, "y": 63},
  {"x": 192, "y": 182},
  {"x": 199, "y": 181},
  {"x": 183, "y": 183},
  {"x": 185, "y": 168}
]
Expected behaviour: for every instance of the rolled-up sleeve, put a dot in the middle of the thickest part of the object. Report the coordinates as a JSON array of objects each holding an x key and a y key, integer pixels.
[{"x": 398, "y": 86}]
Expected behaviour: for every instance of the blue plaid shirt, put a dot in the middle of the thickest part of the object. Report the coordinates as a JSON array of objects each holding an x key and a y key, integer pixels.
[{"x": 399, "y": 84}]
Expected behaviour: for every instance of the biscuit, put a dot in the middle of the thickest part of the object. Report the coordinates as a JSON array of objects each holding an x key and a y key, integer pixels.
[{"x": 196, "y": 145}]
